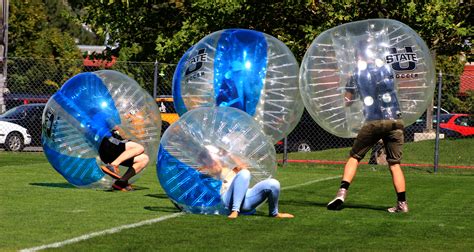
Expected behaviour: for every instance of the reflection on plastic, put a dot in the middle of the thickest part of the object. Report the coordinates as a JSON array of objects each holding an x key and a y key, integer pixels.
[
  {"x": 367, "y": 70},
  {"x": 244, "y": 69},
  {"x": 199, "y": 152}
]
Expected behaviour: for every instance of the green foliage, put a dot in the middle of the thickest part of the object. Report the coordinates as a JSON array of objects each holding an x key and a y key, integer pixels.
[
  {"x": 164, "y": 30},
  {"x": 173, "y": 26},
  {"x": 32, "y": 36},
  {"x": 451, "y": 68}
]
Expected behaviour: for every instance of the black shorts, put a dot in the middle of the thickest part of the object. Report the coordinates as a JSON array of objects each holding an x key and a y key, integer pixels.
[
  {"x": 391, "y": 133},
  {"x": 111, "y": 148}
]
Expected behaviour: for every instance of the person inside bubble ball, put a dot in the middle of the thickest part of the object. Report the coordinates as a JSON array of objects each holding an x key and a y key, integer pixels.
[
  {"x": 373, "y": 83},
  {"x": 114, "y": 150},
  {"x": 235, "y": 191}
]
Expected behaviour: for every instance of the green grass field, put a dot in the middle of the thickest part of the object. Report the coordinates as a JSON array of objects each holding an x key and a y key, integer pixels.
[{"x": 38, "y": 207}]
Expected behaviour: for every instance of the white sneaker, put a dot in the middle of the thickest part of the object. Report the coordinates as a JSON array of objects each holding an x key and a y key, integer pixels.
[
  {"x": 336, "y": 203},
  {"x": 401, "y": 207}
]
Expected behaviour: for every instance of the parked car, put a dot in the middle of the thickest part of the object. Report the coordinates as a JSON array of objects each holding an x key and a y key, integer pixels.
[
  {"x": 419, "y": 125},
  {"x": 13, "y": 137},
  {"x": 457, "y": 125},
  {"x": 29, "y": 117},
  {"x": 168, "y": 113},
  {"x": 309, "y": 136}
]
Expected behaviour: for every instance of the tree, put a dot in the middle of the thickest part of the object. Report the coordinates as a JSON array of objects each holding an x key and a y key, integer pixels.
[
  {"x": 31, "y": 36},
  {"x": 164, "y": 30}
]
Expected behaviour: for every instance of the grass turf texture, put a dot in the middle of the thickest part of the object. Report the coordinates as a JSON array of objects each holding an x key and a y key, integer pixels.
[
  {"x": 39, "y": 207},
  {"x": 451, "y": 152}
]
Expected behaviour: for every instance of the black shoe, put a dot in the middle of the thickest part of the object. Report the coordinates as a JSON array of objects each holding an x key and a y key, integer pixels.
[{"x": 123, "y": 188}]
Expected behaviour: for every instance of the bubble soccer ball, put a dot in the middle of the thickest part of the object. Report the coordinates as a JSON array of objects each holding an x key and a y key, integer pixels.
[
  {"x": 384, "y": 65},
  {"x": 84, "y": 111},
  {"x": 244, "y": 69},
  {"x": 202, "y": 137}
]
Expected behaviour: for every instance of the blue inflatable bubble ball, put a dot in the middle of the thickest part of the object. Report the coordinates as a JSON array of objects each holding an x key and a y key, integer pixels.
[
  {"x": 86, "y": 109},
  {"x": 374, "y": 69},
  {"x": 244, "y": 69},
  {"x": 201, "y": 153}
]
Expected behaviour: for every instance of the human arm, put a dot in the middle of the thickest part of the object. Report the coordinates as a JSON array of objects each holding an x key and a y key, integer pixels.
[
  {"x": 350, "y": 91},
  {"x": 239, "y": 163}
]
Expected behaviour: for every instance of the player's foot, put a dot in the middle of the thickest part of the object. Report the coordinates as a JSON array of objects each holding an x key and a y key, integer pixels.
[
  {"x": 123, "y": 188},
  {"x": 401, "y": 207},
  {"x": 336, "y": 203},
  {"x": 284, "y": 215},
  {"x": 233, "y": 215},
  {"x": 111, "y": 170}
]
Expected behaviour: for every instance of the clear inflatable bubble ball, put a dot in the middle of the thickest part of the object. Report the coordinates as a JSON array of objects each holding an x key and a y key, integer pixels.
[
  {"x": 376, "y": 69},
  {"x": 244, "y": 69},
  {"x": 86, "y": 110},
  {"x": 199, "y": 155}
]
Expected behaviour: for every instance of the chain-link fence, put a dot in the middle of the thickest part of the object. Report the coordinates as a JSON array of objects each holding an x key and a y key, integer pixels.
[{"x": 30, "y": 83}]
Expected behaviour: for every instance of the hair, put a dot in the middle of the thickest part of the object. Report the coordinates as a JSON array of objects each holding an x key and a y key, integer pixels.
[{"x": 205, "y": 158}]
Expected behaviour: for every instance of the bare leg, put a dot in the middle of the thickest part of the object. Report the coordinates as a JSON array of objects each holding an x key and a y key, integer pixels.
[
  {"x": 397, "y": 177},
  {"x": 399, "y": 185},
  {"x": 350, "y": 169},
  {"x": 140, "y": 162},
  {"x": 349, "y": 173},
  {"x": 132, "y": 149}
]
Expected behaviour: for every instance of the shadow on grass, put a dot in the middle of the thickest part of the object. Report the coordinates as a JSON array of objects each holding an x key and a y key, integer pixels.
[
  {"x": 57, "y": 185},
  {"x": 162, "y": 209},
  {"x": 134, "y": 188},
  {"x": 176, "y": 208},
  {"x": 158, "y": 196},
  {"x": 324, "y": 205}
]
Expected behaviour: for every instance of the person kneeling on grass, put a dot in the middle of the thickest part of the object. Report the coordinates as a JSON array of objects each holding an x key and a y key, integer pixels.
[
  {"x": 235, "y": 191},
  {"x": 115, "y": 151}
]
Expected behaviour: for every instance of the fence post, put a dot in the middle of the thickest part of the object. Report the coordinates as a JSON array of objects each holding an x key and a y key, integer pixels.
[
  {"x": 285, "y": 151},
  {"x": 438, "y": 112},
  {"x": 155, "y": 78},
  {"x": 3, "y": 54}
]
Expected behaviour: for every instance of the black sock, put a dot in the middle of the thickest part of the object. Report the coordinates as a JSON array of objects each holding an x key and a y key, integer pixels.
[
  {"x": 401, "y": 196},
  {"x": 345, "y": 184},
  {"x": 121, "y": 183},
  {"x": 128, "y": 174}
]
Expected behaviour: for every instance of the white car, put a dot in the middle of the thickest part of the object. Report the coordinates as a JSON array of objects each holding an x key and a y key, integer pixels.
[{"x": 13, "y": 137}]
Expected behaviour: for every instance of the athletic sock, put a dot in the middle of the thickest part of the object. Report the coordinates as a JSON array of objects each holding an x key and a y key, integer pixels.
[
  {"x": 121, "y": 183},
  {"x": 345, "y": 184},
  {"x": 401, "y": 196},
  {"x": 128, "y": 174}
]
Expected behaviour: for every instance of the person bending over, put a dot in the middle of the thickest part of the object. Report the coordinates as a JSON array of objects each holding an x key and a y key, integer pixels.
[{"x": 115, "y": 151}]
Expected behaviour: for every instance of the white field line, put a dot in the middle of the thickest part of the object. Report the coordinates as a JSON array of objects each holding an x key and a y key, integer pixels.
[
  {"x": 141, "y": 223},
  {"x": 103, "y": 232},
  {"x": 309, "y": 182}
]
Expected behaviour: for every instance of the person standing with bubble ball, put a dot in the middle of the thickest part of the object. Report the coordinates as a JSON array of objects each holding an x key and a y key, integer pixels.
[
  {"x": 235, "y": 191},
  {"x": 368, "y": 79},
  {"x": 373, "y": 83}
]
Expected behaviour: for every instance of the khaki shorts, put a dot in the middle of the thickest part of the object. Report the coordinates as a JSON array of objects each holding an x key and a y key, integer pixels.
[{"x": 391, "y": 133}]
